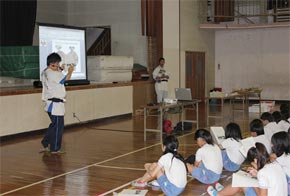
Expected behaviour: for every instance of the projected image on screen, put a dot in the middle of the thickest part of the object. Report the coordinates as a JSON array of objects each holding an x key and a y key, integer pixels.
[
  {"x": 69, "y": 43},
  {"x": 69, "y": 52}
]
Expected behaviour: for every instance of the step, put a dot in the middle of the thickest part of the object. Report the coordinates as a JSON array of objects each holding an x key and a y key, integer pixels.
[
  {"x": 283, "y": 20},
  {"x": 283, "y": 9},
  {"x": 285, "y": 16},
  {"x": 283, "y": 13}
]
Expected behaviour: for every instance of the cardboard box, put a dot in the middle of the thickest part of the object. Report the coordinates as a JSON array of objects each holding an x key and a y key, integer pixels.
[{"x": 266, "y": 106}]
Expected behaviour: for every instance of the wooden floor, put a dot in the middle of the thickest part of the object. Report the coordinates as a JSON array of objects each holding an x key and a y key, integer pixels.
[{"x": 100, "y": 158}]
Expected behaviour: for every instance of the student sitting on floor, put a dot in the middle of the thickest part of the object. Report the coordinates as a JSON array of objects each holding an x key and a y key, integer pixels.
[
  {"x": 285, "y": 114},
  {"x": 257, "y": 132},
  {"x": 270, "y": 175},
  {"x": 170, "y": 170},
  {"x": 208, "y": 164},
  {"x": 270, "y": 126},
  {"x": 232, "y": 158},
  {"x": 282, "y": 122},
  {"x": 281, "y": 153}
]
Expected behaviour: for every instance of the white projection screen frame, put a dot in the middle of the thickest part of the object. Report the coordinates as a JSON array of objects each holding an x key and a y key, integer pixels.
[{"x": 68, "y": 42}]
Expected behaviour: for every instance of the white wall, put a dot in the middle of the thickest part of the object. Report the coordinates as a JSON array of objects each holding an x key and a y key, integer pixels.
[
  {"x": 171, "y": 42},
  {"x": 194, "y": 39},
  {"x": 124, "y": 18},
  {"x": 254, "y": 57},
  {"x": 27, "y": 113},
  {"x": 53, "y": 12}
]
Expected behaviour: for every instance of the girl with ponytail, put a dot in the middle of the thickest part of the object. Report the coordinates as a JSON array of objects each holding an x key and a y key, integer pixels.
[{"x": 170, "y": 170}]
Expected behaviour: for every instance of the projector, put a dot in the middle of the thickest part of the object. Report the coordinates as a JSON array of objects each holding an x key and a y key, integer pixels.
[{"x": 169, "y": 100}]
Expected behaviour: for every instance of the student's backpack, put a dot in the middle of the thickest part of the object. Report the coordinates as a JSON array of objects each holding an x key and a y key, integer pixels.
[
  {"x": 167, "y": 126},
  {"x": 186, "y": 127}
]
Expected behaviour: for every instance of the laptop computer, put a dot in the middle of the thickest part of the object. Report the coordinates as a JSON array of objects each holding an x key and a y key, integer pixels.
[{"x": 183, "y": 94}]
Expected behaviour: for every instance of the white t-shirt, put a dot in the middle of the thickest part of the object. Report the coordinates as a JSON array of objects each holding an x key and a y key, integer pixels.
[
  {"x": 175, "y": 170},
  {"x": 232, "y": 147},
  {"x": 272, "y": 177},
  {"x": 53, "y": 87},
  {"x": 284, "y": 161},
  {"x": 211, "y": 157},
  {"x": 264, "y": 140},
  {"x": 284, "y": 125},
  {"x": 270, "y": 129},
  {"x": 158, "y": 72}
]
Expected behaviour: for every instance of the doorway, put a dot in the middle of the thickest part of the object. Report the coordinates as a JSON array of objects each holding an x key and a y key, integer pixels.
[
  {"x": 195, "y": 73},
  {"x": 195, "y": 80}
]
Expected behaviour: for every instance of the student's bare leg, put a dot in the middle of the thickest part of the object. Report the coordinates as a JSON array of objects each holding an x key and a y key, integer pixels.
[
  {"x": 149, "y": 167},
  {"x": 190, "y": 167},
  {"x": 160, "y": 173}
]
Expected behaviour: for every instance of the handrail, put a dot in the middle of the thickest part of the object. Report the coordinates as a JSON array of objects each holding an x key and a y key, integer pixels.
[
  {"x": 254, "y": 11},
  {"x": 244, "y": 17},
  {"x": 102, "y": 44}
]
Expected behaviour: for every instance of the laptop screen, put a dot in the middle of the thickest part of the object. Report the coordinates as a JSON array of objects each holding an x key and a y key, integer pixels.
[{"x": 183, "y": 94}]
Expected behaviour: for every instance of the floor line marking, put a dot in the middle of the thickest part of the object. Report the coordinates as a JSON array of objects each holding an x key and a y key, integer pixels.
[
  {"x": 132, "y": 152},
  {"x": 112, "y": 190},
  {"x": 76, "y": 170},
  {"x": 85, "y": 167},
  {"x": 115, "y": 189},
  {"x": 114, "y": 167}
]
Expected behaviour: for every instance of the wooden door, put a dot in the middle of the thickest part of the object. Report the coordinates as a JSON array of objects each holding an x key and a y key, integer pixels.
[
  {"x": 195, "y": 74},
  {"x": 195, "y": 80},
  {"x": 224, "y": 10}
]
